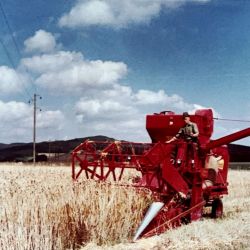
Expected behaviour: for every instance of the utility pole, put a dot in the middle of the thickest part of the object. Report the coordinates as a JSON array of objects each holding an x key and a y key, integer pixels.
[
  {"x": 49, "y": 160},
  {"x": 34, "y": 130},
  {"x": 34, "y": 126}
]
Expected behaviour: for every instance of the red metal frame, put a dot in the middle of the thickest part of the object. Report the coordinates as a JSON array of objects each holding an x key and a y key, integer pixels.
[{"x": 176, "y": 173}]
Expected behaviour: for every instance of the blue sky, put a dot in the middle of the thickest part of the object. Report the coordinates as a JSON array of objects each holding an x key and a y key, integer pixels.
[{"x": 100, "y": 66}]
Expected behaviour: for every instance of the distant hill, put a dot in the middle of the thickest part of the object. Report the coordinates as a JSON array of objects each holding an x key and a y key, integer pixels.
[
  {"x": 60, "y": 150},
  {"x": 24, "y": 151}
]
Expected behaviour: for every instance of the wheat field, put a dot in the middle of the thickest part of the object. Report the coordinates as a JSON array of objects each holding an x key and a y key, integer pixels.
[{"x": 40, "y": 208}]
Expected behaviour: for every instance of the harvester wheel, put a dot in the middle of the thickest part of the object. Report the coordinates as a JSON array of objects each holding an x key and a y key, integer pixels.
[{"x": 217, "y": 208}]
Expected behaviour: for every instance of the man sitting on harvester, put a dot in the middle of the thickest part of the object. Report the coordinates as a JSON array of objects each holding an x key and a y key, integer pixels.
[{"x": 189, "y": 133}]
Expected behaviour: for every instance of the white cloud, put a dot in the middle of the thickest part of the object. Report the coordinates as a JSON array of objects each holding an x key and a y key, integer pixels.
[
  {"x": 86, "y": 74},
  {"x": 17, "y": 121},
  {"x": 61, "y": 60},
  {"x": 117, "y": 14},
  {"x": 42, "y": 41},
  {"x": 160, "y": 97},
  {"x": 150, "y": 97},
  {"x": 50, "y": 119},
  {"x": 120, "y": 111},
  {"x": 14, "y": 112},
  {"x": 87, "y": 13},
  {"x": 69, "y": 71},
  {"x": 103, "y": 108},
  {"x": 106, "y": 107},
  {"x": 11, "y": 81},
  {"x": 198, "y": 106}
]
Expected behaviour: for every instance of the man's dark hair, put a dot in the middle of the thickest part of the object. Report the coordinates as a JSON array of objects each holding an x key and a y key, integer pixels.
[{"x": 185, "y": 114}]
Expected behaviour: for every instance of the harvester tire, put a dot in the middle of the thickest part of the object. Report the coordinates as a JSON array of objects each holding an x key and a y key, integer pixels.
[{"x": 217, "y": 209}]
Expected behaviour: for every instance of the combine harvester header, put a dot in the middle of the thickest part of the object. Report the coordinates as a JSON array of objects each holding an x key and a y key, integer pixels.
[{"x": 184, "y": 177}]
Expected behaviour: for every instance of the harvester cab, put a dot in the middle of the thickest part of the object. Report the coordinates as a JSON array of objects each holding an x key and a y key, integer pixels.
[{"x": 184, "y": 177}]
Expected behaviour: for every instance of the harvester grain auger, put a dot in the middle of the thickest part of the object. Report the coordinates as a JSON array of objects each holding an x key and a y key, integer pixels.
[{"x": 183, "y": 177}]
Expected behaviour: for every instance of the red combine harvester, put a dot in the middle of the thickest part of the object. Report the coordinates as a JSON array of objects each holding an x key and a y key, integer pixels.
[{"x": 184, "y": 177}]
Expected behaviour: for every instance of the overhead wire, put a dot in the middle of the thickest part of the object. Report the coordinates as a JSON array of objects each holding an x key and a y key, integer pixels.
[
  {"x": 16, "y": 47},
  {"x": 9, "y": 28},
  {"x": 230, "y": 120},
  {"x": 7, "y": 53},
  {"x": 13, "y": 65}
]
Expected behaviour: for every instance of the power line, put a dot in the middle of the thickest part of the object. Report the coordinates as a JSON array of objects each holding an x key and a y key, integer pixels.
[
  {"x": 231, "y": 120},
  {"x": 10, "y": 30},
  {"x": 34, "y": 99},
  {"x": 7, "y": 53},
  {"x": 13, "y": 65},
  {"x": 16, "y": 46}
]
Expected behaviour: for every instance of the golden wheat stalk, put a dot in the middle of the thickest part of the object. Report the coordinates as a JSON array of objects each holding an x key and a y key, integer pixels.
[{"x": 41, "y": 208}]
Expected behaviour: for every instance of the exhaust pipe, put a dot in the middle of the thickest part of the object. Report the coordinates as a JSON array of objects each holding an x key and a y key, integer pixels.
[{"x": 153, "y": 210}]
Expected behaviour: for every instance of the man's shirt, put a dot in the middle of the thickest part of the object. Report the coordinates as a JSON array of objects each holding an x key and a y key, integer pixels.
[{"x": 186, "y": 131}]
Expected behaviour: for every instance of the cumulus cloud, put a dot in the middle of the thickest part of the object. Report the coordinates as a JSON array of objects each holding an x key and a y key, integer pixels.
[
  {"x": 117, "y": 14},
  {"x": 120, "y": 111},
  {"x": 11, "y": 81},
  {"x": 144, "y": 97},
  {"x": 16, "y": 121},
  {"x": 42, "y": 41},
  {"x": 69, "y": 71},
  {"x": 61, "y": 60},
  {"x": 107, "y": 106},
  {"x": 15, "y": 111},
  {"x": 101, "y": 107},
  {"x": 50, "y": 119},
  {"x": 198, "y": 106}
]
